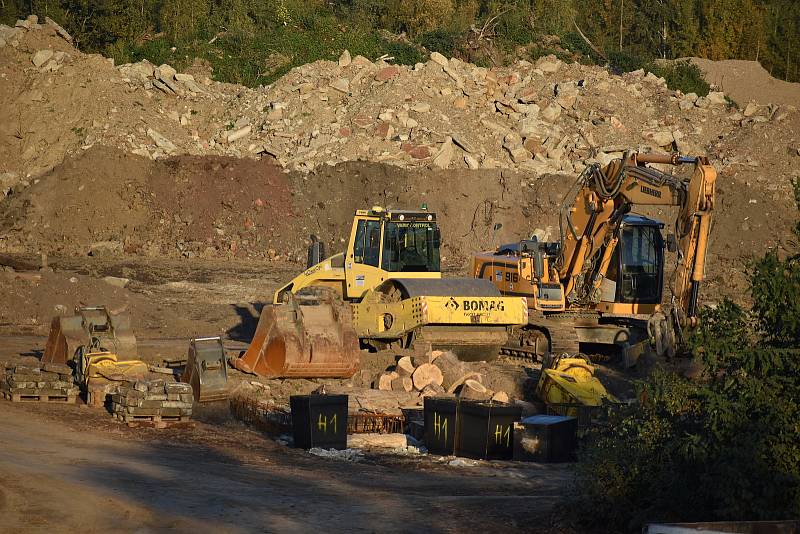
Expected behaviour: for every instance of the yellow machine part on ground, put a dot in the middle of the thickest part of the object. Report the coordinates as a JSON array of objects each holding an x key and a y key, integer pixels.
[
  {"x": 106, "y": 366},
  {"x": 572, "y": 381}
]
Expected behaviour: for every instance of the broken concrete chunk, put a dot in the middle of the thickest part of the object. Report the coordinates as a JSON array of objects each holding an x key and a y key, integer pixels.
[
  {"x": 239, "y": 134},
  {"x": 659, "y": 138},
  {"x": 444, "y": 155},
  {"x": 551, "y": 113},
  {"x": 41, "y": 57},
  {"x": 345, "y": 59},
  {"x": 116, "y": 281},
  {"x": 342, "y": 85},
  {"x": 439, "y": 59},
  {"x": 165, "y": 73},
  {"x": 160, "y": 140},
  {"x": 59, "y": 30},
  {"x": 716, "y": 98}
]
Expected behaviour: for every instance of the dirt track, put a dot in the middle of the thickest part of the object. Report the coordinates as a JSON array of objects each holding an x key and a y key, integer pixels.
[{"x": 69, "y": 469}]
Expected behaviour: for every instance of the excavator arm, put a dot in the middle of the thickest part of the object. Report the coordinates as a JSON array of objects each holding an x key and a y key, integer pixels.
[{"x": 594, "y": 208}]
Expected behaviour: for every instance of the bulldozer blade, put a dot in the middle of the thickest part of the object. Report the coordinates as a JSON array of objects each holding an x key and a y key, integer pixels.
[
  {"x": 314, "y": 340},
  {"x": 469, "y": 344},
  {"x": 206, "y": 370}
]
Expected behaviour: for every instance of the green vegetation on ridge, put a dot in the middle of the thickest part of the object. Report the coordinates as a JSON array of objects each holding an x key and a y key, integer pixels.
[{"x": 252, "y": 42}]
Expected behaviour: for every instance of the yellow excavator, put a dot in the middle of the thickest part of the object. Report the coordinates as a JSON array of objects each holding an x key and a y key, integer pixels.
[
  {"x": 601, "y": 282},
  {"x": 385, "y": 290}
]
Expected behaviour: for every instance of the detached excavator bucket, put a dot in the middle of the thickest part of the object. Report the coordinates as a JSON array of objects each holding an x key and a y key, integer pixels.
[
  {"x": 112, "y": 333},
  {"x": 206, "y": 369},
  {"x": 311, "y": 336}
]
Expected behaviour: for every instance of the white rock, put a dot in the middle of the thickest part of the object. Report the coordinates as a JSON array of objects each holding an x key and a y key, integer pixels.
[
  {"x": 165, "y": 73},
  {"x": 471, "y": 162},
  {"x": 184, "y": 77},
  {"x": 116, "y": 281},
  {"x": 342, "y": 85},
  {"x": 551, "y": 113},
  {"x": 41, "y": 57},
  {"x": 716, "y": 98},
  {"x": 439, "y": 59},
  {"x": 659, "y": 137},
  {"x": 421, "y": 107},
  {"x": 161, "y": 141},
  {"x": 345, "y": 59},
  {"x": 444, "y": 155},
  {"x": 239, "y": 134}
]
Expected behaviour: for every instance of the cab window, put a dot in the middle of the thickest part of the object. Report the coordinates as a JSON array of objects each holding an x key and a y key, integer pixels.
[
  {"x": 411, "y": 247},
  {"x": 367, "y": 245}
]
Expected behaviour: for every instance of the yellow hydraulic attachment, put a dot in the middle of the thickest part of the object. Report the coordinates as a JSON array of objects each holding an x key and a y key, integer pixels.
[
  {"x": 571, "y": 380},
  {"x": 385, "y": 290},
  {"x": 98, "y": 373}
]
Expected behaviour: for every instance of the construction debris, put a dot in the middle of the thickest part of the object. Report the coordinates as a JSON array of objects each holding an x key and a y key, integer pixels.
[
  {"x": 153, "y": 401},
  {"x": 33, "y": 383}
]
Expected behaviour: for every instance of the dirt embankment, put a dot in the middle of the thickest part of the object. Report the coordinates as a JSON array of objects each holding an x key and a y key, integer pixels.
[{"x": 748, "y": 81}]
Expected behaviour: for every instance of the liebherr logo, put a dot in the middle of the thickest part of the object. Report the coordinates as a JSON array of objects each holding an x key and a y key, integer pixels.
[
  {"x": 650, "y": 191},
  {"x": 452, "y": 305}
]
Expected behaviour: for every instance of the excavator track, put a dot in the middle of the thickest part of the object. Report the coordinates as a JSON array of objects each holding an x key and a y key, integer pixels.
[{"x": 561, "y": 336}]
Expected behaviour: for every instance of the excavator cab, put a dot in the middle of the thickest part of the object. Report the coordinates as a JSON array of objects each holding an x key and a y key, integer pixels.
[{"x": 635, "y": 274}]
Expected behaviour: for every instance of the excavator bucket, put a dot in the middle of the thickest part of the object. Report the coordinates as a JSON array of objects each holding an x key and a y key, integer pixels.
[
  {"x": 89, "y": 326},
  {"x": 311, "y": 336},
  {"x": 206, "y": 369}
]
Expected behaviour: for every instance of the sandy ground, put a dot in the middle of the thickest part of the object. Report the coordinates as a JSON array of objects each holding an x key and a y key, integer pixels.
[{"x": 70, "y": 469}]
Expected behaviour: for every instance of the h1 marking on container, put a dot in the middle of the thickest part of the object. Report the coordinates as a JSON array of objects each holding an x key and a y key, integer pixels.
[
  {"x": 500, "y": 435},
  {"x": 322, "y": 423},
  {"x": 440, "y": 426}
]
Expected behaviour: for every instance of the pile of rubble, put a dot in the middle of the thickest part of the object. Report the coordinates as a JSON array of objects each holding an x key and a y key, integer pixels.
[
  {"x": 154, "y": 400},
  {"x": 48, "y": 382},
  {"x": 541, "y": 117},
  {"x": 439, "y": 373}
]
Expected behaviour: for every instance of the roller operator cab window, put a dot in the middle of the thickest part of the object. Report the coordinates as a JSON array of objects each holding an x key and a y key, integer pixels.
[
  {"x": 411, "y": 247},
  {"x": 367, "y": 245},
  {"x": 642, "y": 258}
]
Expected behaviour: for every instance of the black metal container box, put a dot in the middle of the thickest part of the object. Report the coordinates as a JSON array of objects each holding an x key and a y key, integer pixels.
[
  {"x": 440, "y": 424},
  {"x": 319, "y": 421},
  {"x": 486, "y": 430},
  {"x": 546, "y": 438}
]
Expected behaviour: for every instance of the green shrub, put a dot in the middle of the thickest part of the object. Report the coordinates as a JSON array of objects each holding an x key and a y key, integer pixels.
[
  {"x": 683, "y": 76},
  {"x": 443, "y": 41},
  {"x": 725, "y": 447}
]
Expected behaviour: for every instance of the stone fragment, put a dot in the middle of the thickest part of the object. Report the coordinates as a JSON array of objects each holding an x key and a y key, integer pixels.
[
  {"x": 444, "y": 156},
  {"x": 345, "y": 59},
  {"x": 239, "y": 134},
  {"x": 439, "y": 59},
  {"x": 116, "y": 281},
  {"x": 41, "y": 57},
  {"x": 548, "y": 64},
  {"x": 342, "y": 85},
  {"x": 460, "y": 102},
  {"x": 659, "y": 137},
  {"x": 471, "y": 161},
  {"x": 160, "y": 140},
  {"x": 387, "y": 73},
  {"x": 716, "y": 98},
  {"x": 421, "y": 107},
  {"x": 59, "y": 30},
  {"x": 551, "y": 113}
]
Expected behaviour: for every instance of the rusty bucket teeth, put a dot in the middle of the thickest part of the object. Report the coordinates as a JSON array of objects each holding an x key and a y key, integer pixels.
[{"x": 309, "y": 338}]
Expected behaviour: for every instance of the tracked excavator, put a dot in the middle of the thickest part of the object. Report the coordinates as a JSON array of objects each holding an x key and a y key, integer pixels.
[
  {"x": 386, "y": 290},
  {"x": 601, "y": 282}
]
